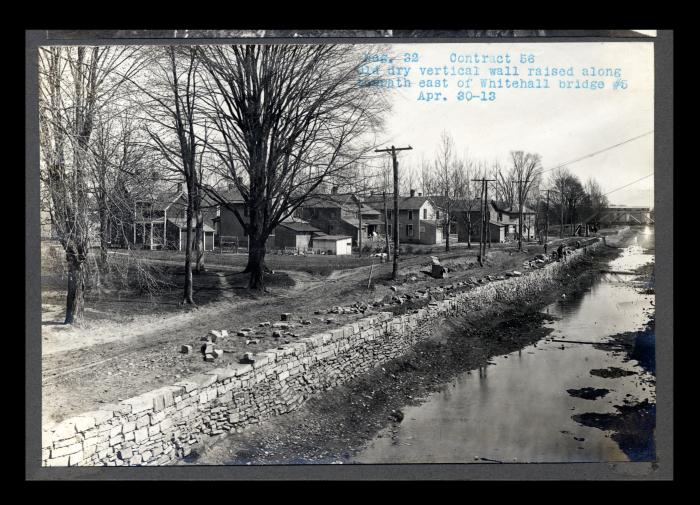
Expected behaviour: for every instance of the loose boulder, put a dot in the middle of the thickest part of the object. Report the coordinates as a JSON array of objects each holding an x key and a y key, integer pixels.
[{"x": 438, "y": 271}]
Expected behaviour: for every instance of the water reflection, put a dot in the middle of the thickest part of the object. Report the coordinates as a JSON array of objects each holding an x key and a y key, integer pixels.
[{"x": 519, "y": 409}]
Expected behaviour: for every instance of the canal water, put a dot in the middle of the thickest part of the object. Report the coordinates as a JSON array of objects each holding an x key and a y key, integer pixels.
[{"x": 518, "y": 409}]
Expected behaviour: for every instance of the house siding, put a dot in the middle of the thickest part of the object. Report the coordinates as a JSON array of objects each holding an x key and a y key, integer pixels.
[
  {"x": 286, "y": 237},
  {"x": 425, "y": 231},
  {"x": 229, "y": 226},
  {"x": 330, "y": 221}
]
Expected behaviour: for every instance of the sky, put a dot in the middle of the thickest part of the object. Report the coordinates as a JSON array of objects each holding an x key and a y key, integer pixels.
[{"x": 560, "y": 125}]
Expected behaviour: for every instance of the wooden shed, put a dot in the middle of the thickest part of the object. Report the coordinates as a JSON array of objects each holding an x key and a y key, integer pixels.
[
  {"x": 334, "y": 244},
  {"x": 295, "y": 234}
]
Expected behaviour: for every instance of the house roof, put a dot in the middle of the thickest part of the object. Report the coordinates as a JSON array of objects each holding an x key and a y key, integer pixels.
[
  {"x": 333, "y": 237},
  {"x": 459, "y": 203},
  {"x": 513, "y": 209},
  {"x": 182, "y": 223},
  {"x": 163, "y": 199},
  {"x": 405, "y": 202},
  {"x": 347, "y": 201},
  {"x": 231, "y": 195},
  {"x": 299, "y": 226}
]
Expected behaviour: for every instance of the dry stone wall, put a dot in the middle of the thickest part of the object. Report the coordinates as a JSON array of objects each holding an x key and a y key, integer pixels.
[{"x": 160, "y": 426}]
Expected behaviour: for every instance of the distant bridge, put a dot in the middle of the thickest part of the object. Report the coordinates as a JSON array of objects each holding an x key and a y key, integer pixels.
[{"x": 624, "y": 215}]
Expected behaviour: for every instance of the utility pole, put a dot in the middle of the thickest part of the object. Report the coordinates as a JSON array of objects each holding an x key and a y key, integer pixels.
[
  {"x": 359, "y": 220},
  {"x": 520, "y": 213},
  {"x": 395, "y": 270},
  {"x": 482, "y": 234},
  {"x": 488, "y": 214},
  {"x": 386, "y": 227},
  {"x": 546, "y": 225},
  {"x": 561, "y": 205},
  {"x": 447, "y": 218},
  {"x": 485, "y": 219}
]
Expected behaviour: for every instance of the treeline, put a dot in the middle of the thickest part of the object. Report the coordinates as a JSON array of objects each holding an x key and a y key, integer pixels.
[{"x": 453, "y": 177}]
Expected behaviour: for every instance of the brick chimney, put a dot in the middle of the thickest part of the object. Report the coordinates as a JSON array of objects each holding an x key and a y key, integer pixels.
[
  {"x": 334, "y": 190},
  {"x": 413, "y": 192},
  {"x": 179, "y": 187}
]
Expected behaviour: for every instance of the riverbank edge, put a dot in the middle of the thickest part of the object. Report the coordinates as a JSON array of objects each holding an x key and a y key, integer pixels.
[{"x": 161, "y": 426}]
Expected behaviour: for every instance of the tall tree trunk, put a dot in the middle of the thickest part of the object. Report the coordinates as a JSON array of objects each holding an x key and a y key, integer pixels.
[
  {"x": 188, "y": 296},
  {"x": 104, "y": 237},
  {"x": 359, "y": 236},
  {"x": 469, "y": 230},
  {"x": 571, "y": 219},
  {"x": 256, "y": 262},
  {"x": 447, "y": 230},
  {"x": 561, "y": 221},
  {"x": 256, "y": 248},
  {"x": 75, "y": 299},
  {"x": 199, "y": 243}
]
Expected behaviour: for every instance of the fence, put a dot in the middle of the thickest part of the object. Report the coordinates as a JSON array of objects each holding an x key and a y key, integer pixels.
[{"x": 231, "y": 243}]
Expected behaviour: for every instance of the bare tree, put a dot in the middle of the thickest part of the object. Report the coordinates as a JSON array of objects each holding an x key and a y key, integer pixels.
[
  {"x": 596, "y": 199},
  {"x": 75, "y": 84},
  {"x": 574, "y": 195},
  {"x": 288, "y": 117},
  {"x": 427, "y": 177},
  {"x": 506, "y": 191},
  {"x": 557, "y": 184},
  {"x": 447, "y": 175},
  {"x": 117, "y": 153},
  {"x": 469, "y": 172},
  {"x": 173, "y": 93},
  {"x": 524, "y": 174},
  {"x": 561, "y": 181}
]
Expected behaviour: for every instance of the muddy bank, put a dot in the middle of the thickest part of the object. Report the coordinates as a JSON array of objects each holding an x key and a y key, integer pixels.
[
  {"x": 332, "y": 426},
  {"x": 636, "y": 345},
  {"x": 611, "y": 372},
  {"x": 633, "y": 428},
  {"x": 634, "y": 424},
  {"x": 588, "y": 393}
]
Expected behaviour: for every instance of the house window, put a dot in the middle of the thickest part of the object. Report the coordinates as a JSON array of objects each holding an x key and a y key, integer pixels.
[
  {"x": 409, "y": 230},
  {"x": 245, "y": 211},
  {"x": 437, "y": 214},
  {"x": 425, "y": 213},
  {"x": 500, "y": 216},
  {"x": 390, "y": 231},
  {"x": 388, "y": 213},
  {"x": 410, "y": 215}
]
